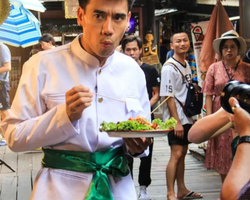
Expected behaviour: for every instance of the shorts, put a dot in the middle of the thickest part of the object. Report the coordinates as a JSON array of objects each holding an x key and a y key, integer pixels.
[
  {"x": 172, "y": 139},
  {"x": 4, "y": 95}
]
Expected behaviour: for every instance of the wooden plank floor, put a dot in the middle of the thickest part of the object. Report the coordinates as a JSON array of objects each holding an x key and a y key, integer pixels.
[
  {"x": 197, "y": 178},
  {"x": 18, "y": 185}
]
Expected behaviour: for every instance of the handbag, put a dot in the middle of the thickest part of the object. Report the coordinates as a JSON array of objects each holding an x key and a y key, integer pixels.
[{"x": 194, "y": 99}]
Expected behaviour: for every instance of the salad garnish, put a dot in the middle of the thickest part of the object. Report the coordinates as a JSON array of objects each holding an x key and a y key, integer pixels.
[{"x": 138, "y": 124}]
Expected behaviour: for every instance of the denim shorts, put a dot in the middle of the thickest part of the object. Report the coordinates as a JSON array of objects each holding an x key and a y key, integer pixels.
[{"x": 4, "y": 95}]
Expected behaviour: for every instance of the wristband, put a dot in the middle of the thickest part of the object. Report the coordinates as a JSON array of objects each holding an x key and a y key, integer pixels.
[{"x": 244, "y": 139}]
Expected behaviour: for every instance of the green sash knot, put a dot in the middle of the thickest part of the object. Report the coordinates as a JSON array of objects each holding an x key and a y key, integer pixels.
[{"x": 100, "y": 163}]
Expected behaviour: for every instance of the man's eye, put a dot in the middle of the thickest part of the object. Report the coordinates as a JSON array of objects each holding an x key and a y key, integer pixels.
[
  {"x": 119, "y": 17},
  {"x": 98, "y": 16}
]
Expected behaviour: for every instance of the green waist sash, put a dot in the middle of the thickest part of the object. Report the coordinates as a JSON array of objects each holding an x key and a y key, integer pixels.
[{"x": 100, "y": 163}]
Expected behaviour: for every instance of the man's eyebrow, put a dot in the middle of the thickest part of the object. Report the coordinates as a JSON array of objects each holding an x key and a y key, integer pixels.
[
  {"x": 122, "y": 15},
  {"x": 99, "y": 11},
  {"x": 103, "y": 12}
]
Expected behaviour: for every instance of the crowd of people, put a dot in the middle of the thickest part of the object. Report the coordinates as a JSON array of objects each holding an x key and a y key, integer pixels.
[{"x": 57, "y": 107}]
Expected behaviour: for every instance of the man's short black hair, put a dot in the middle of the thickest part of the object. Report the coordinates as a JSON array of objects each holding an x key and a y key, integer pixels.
[
  {"x": 129, "y": 39},
  {"x": 84, "y": 3},
  {"x": 176, "y": 32}
]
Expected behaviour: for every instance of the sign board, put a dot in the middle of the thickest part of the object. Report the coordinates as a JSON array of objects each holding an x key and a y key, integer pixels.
[
  {"x": 198, "y": 32},
  {"x": 151, "y": 60},
  {"x": 71, "y": 8}
]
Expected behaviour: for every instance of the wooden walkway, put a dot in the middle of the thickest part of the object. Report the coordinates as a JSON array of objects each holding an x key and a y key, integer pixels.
[
  {"x": 18, "y": 185},
  {"x": 197, "y": 178}
]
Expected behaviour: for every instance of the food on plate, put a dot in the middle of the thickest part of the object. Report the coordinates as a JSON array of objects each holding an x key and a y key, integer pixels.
[{"x": 138, "y": 124}]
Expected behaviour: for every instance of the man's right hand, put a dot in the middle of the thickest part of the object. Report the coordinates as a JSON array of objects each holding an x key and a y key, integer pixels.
[
  {"x": 241, "y": 118},
  {"x": 77, "y": 99},
  {"x": 179, "y": 130}
]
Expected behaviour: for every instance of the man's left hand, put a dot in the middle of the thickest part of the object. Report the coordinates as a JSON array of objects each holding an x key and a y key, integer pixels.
[{"x": 137, "y": 145}]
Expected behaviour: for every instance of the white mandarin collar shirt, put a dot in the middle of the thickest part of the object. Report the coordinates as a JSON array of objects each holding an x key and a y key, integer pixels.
[{"x": 38, "y": 113}]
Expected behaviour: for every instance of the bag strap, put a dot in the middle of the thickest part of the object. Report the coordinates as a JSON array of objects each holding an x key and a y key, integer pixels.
[
  {"x": 230, "y": 78},
  {"x": 226, "y": 72},
  {"x": 175, "y": 66}
]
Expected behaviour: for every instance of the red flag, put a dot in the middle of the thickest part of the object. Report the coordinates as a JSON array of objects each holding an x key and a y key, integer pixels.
[{"x": 219, "y": 23}]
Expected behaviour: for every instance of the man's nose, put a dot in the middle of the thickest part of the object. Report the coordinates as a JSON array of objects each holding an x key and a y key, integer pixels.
[
  {"x": 107, "y": 28},
  {"x": 131, "y": 52}
]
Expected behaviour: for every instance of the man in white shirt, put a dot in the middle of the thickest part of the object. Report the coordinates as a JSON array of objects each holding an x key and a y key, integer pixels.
[
  {"x": 57, "y": 107},
  {"x": 175, "y": 74}
]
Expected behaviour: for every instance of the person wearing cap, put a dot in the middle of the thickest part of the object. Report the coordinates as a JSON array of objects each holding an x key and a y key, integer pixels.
[{"x": 229, "y": 46}]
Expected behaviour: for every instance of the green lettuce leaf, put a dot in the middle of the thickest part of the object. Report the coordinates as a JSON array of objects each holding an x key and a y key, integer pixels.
[{"x": 135, "y": 126}]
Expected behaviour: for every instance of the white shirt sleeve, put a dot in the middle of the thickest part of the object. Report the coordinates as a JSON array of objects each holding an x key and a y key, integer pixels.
[{"x": 30, "y": 124}]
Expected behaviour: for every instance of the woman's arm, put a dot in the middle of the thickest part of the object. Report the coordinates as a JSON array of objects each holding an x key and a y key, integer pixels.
[
  {"x": 239, "y": 173},
  {"x": 204, "y": 128}
]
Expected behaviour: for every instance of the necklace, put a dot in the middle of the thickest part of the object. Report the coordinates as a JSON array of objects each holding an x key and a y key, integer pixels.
[{"x": 232, "y": 74}]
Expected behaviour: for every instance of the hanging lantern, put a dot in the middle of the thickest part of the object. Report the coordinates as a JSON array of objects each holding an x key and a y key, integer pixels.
[{"x": 4, "y": 10}]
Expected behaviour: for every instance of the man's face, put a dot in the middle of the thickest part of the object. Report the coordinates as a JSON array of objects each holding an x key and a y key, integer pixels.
[
  {"x": 132, "y": 50},
  {"x": 104, "y": 23},
  {"x": 180, "y": 43}
]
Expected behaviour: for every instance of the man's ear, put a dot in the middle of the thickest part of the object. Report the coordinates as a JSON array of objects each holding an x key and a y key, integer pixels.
[
  {"x": 80, "y": 14},
  {"x": 140, "y": 51},
  {"x": 129, "y": 15},
  {"x": 171, "y": 46}
]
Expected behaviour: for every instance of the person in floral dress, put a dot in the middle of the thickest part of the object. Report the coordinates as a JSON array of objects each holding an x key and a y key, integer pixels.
[{"x": 229, "y": 46}]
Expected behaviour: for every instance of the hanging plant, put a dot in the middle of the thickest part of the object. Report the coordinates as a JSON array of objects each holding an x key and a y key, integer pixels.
[{"x": 4, "y": 10}]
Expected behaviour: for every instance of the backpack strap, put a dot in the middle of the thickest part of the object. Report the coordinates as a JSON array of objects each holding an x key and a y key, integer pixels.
[{"x": 175, "y": 66}]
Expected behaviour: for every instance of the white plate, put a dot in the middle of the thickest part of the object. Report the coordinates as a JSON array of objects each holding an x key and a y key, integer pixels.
[{"x": 137, "y": 134}]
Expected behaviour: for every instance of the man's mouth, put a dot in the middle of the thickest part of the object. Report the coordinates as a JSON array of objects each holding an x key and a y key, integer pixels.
[{"x": 106, "y": 44}]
